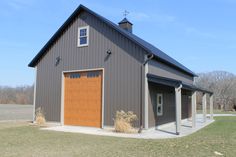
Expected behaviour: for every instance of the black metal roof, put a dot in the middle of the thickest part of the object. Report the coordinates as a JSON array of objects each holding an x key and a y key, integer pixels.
[
  {"x": 125, "y": 20},
  {"x": 145, "y": 45}
]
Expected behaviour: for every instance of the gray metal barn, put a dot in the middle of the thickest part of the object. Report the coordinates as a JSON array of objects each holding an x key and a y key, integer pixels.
[{"x": 91, "y": 68}]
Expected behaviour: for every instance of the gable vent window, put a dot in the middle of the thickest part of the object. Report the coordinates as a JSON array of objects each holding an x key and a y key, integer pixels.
[{"x": 83, "y": 36}]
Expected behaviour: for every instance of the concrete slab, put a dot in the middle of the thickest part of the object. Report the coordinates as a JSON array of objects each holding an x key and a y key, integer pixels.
[{"x": 162, "y": 132}]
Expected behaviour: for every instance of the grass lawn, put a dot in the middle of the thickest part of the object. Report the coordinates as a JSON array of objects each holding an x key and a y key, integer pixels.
[
  {"x": 24, "y": 140},
  {"x": 217, "y": 112},
  {"x": 223, "y": 112}
]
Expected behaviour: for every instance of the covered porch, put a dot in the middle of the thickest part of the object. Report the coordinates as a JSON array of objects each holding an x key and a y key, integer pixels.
[{"x": 180, "y": 121}]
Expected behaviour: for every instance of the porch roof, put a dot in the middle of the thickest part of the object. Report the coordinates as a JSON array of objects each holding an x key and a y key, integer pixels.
[{"x": 175, "y": 83}]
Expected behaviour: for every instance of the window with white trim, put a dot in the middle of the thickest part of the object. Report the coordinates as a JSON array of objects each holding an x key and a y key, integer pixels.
[
  {"x": 159, "y": 109},
  {"x": 83, "y": 36}
]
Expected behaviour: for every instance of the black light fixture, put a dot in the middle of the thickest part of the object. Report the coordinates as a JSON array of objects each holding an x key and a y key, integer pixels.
[
  {"x": 108, "y": 51},
  {"x": 58, "y": 59}
]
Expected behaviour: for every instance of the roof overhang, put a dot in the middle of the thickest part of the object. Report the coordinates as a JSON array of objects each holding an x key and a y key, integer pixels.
[{"x": 175, "y": 83}]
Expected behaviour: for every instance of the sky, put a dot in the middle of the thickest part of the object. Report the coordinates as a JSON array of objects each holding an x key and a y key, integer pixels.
[{"x": 199, "y": 34}]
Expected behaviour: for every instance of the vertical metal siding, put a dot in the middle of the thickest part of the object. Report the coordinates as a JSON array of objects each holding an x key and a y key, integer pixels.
[
  {"x": 186, "y": 104},
  {"x": 122, "y": 68},
  {"x": 168, "y": 104},
  {"x": 163, "y": 70}
]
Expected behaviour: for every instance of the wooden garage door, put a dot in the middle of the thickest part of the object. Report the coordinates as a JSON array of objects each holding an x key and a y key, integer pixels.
[{"x": 83, "y": 99}]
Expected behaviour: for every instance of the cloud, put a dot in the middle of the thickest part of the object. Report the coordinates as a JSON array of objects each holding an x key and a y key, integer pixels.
[
  {"x": 152, "y": 17},
  {"x": 139, "y": 16},
  {"x": 14, "y": 5},
  {"x": 12, "y": 44},
  {"x": 194, "y": 31},
  {"x": 19, "y": 4}
]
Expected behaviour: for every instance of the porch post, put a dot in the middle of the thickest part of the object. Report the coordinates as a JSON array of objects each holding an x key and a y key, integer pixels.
[
  {"x": 204, "y": 104},
  {"x": 194, "y": 102},
  {"x": 178, "y": 108},
  {"x": 211, "y": 106}
]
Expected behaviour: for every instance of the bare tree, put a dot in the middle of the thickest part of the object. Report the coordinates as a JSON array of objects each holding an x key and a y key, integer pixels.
[
  {"x": 223, "y": 84},
  {"x": 17, "y": 95}
]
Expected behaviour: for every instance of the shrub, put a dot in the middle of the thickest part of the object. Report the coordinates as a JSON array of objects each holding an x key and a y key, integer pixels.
[
  {"x": 40, "y": 116},
  {"x": 124, "y": 120}
]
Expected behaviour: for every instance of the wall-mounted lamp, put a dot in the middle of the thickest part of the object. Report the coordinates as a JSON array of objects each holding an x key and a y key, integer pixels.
[
  {"x": 109, "y": 52},
  {"x": 58, "y": 59}
]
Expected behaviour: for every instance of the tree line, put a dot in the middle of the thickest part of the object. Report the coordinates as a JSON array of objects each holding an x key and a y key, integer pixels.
[
  {"x": 223, "y": 84},
  {"x": 16, "y": 95}
]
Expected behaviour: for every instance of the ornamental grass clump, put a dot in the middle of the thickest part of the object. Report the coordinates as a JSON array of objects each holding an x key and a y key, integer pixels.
[
  {"x": 40, "y": 117},
  {"x": 124, "y": 122}
]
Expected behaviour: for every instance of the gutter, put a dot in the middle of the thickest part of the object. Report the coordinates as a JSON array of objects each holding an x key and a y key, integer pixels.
[{"x": 148, "y": 59}]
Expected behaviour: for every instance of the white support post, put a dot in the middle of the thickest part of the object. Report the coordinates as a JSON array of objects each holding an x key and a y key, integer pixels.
[
  {"x": 178, "y": 109},
  {"x": 211, "y": 106},
  {"x": 146, "y": 93},
  {"x": 204, "y": 105},
  {"x": 194, "y": 104}
]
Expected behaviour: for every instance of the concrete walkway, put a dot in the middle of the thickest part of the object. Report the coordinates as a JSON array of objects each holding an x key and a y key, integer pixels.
[{"x": 162, "y": 132}]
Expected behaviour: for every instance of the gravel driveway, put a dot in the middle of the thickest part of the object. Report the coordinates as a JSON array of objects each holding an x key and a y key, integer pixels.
[{"x": 16, "y": 112}]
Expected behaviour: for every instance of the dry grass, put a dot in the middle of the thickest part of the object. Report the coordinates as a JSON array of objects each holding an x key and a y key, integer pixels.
[
  {"x": 40, "y": 117},
  {"x": 124, "y": 122}
]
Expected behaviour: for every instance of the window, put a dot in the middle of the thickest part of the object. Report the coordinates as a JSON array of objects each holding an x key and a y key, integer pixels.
[
  {"x": 93, "y": 74},
  {"x": 159, "y": 110},
  {"x": 75, "y": 75},
  {"x": 83, "y": 36}
]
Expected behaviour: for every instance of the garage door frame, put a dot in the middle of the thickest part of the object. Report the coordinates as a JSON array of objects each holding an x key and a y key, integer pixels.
[{"x": 63, "y": 90}]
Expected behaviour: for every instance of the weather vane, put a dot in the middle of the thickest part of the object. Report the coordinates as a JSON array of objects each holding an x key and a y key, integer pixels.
[{"x": 125, "y": 13}]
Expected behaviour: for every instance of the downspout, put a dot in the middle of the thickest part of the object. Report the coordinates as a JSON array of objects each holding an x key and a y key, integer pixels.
[
  {"x": 180, "y": 86},
  {"x": 146, "y": 60}
]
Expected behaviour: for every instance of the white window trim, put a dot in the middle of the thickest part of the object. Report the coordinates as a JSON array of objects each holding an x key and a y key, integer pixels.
[
  {"x": 82, "y": 45},
  {"x": 159, "y": 105}
]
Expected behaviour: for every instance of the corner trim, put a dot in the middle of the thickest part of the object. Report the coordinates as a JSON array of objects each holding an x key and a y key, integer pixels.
[{"x": 35, "y": 86}]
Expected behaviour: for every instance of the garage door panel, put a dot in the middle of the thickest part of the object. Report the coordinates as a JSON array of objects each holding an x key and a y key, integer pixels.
[{"x": 83, "y": 99}]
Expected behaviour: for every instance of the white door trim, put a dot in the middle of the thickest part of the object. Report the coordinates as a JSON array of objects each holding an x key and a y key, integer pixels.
[{"x": 62, "y": 91}]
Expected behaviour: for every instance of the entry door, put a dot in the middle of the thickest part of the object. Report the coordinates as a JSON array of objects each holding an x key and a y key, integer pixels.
[{"x": 83, "y": 98}]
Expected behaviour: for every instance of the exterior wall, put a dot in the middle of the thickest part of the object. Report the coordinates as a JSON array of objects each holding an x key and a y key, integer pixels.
[
  {"x": 168, "y": 104},
  {"x": 122, "y": 69},
  {"x": 186, "y": 104},
  {"x": 163, "y": 70}
]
